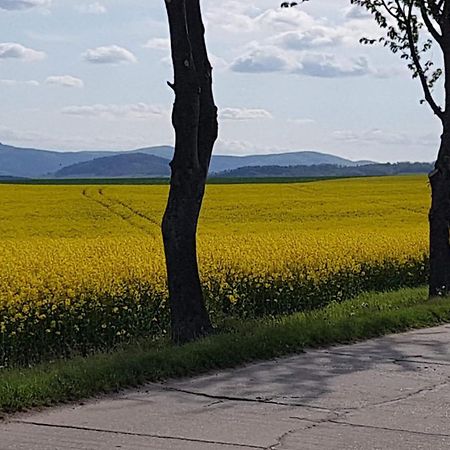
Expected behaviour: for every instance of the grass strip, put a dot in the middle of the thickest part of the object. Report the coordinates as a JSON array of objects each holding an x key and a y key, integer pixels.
[{"x": 368, "y": 315}]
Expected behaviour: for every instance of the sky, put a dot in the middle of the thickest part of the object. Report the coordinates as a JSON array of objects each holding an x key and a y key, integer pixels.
[{"x": 91, "y": 75}]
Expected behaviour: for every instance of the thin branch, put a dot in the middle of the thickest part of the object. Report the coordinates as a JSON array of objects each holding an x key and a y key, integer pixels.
[
  {"x": 389, "y": 10},
  {"x": 434, "y": 8},
  {"x": 429, "y": 24},
  {"x": 416, "y": 60}
]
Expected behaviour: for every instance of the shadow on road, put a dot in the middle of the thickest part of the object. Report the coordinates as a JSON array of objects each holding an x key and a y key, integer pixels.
[{"x": 352, "y": 375}]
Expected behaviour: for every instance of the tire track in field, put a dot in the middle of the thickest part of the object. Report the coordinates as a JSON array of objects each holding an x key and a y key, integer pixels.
[
  {"x": 130, "y": 208},
  {"x": 107, "y": 206},
  {"x": 114, "y": 207},
  {"x": 301, "y": 187}
]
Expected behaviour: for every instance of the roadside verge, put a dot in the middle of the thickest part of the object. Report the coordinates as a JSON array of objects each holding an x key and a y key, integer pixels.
[{"x": 369, "y": 315}]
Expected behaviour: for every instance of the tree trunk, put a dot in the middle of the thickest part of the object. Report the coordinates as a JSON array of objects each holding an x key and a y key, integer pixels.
[
  {"x": 189, "y": 318},
  {"x": 439, "y": 218},
  {"x": 195, "y": 122}
]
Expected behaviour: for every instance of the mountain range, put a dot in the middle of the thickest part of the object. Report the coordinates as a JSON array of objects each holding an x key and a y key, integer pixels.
[{"x": 144, "y": 162}]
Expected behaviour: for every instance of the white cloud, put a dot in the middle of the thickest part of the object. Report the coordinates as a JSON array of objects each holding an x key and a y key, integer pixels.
[
  {"x": 381, "y": 137},
  {"x": 232, "y": 16},
  {"x": 14, "y": 5},
  {"x": 356, "y": 12},
  {"x": 50, "y": 38},
  {"x": 261, "y": 60},
  {"x": 287, "y": 40},
  {"x": 217, "y": 62},
  {"x": 112, "y": 54},
  {"x": 241, "y": 148},
  {"x": 158, "y": 44},
  {"x": 65, "y": 80},
  {"x": 63, "y": 141},
  {"x": 19, "y": 83},
  {"x": 305, "y": 121},
  {"x": 92, "y": 8},
  {"x": 328, "y": 66},
  {"x": 312, "y": 38},
  {"x": 322, "y": 65},
  {"x": 10, "y": 135},
  {"x": 131, "y": 111},
  {"x": 13, "y": 50},
  {"x": 236, "y": 16},
  {"x": 244, "y": 114},
  {"x": 286, "y": 19}
]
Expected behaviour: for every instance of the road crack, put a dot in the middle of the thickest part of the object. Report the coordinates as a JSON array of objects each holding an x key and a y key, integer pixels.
[
  {"x": 398, "y": 430},
  {"x": 404, "y": 397},
  {"x": 149, "y": 435},
  {"x": 267, "y": 401}
]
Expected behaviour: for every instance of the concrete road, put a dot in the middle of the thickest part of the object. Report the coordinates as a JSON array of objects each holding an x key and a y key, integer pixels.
[{"x": 388, "y": 393}]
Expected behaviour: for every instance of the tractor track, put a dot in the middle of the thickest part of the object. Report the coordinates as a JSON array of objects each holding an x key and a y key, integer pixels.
[{"x": 114, "y": 205}]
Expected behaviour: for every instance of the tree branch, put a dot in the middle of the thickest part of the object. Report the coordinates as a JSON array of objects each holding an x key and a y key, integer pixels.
[
  {"x": 429, "y": 24},
  {"x": 434, "y": 8},
  {"x": 389, "y": 10},
  {"x": 416, "y": 60}
]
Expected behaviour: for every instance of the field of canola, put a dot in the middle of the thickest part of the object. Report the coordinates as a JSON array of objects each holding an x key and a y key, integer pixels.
[{"x": 82, "y": 268}]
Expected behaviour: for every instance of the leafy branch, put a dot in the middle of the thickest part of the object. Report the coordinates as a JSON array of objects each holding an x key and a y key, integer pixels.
[{"x": 412, "y": 27}]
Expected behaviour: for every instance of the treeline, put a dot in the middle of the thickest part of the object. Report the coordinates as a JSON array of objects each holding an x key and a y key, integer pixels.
[{"x": 329, "y": 170}]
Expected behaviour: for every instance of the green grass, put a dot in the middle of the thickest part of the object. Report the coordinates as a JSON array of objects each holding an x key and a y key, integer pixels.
[{"x": 366, "y": 316}]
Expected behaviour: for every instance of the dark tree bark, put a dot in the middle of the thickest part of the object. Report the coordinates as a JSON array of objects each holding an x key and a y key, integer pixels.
[
  {"x": 194, "y": 119},
  {"x": 413, "y": 29},
  {"x": 439, "y": 216},
  {"x": 440, "y": 220}
]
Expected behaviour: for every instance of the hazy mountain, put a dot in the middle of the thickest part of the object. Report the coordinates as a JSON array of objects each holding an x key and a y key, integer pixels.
[
  {"x": 164, "y": 151},
  {"x": 9, "y": 178},
  {"x": 328, "y": 170},
  {"x": 304, "y": 158},
  {"x": 220, "y": 163},
  {"x": 33, "y": 163},
  {"x": 29, "y": 162},
  {"x": 130, "y": 165}
]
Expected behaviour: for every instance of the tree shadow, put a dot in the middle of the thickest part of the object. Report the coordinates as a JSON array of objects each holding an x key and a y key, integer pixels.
[{"x": 341, "y": 377}]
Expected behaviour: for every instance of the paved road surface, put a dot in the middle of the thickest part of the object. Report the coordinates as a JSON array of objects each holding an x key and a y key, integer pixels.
[{"x": 388, "y": 393}]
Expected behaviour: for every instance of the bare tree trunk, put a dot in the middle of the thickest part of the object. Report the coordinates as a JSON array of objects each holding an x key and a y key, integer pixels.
[
  {"x": 195, "y": 122},
  {"x": 439, "y": 218}
]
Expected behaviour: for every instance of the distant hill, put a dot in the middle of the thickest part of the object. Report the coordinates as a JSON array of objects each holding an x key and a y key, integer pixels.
[
  {"x": 33, "y": 163},
  {"x": 164, "y": 151},
  {"x": 16, "y": 163},
  {"x": 304, "y": 158},
  {"x": 29, "y": 162},
  {"x": 9, "y": 178},
  {"x": 328, "y": 170},
  {"x": 131, "y": 165},
  {"x": 220, "y": 163}
]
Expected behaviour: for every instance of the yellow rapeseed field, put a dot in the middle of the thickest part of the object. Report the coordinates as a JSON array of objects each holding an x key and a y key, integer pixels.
[{"x": 82, "y": 267}]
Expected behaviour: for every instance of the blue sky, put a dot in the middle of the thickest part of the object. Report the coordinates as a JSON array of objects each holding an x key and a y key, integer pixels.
[{"x": 92, "y": 75}]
